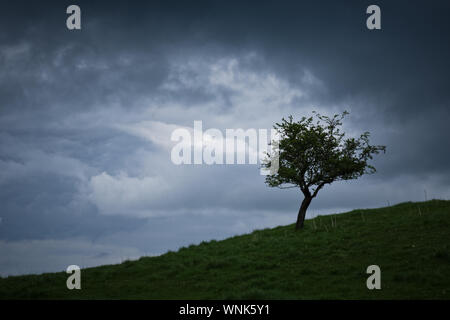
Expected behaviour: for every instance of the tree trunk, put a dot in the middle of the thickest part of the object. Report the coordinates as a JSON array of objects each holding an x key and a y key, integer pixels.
[{"x": 302, "y": 212}]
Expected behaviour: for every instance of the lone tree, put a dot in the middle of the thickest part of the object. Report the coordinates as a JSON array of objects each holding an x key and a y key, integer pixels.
[{"x": 313, "y": 153}]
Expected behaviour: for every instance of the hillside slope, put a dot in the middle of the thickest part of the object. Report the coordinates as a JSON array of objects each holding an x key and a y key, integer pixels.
[{"x": 409, "y": 241}]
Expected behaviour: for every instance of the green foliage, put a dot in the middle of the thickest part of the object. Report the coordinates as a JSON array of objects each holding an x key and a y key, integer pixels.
[
  {"x": 409, "y": 241},
  {"x": 313, "y": 154}
]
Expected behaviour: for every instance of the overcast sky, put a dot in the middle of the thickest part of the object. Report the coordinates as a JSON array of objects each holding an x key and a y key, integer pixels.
[{"x": 86, "y": 117}]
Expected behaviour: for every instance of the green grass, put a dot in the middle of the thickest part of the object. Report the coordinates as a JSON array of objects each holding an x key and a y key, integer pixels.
[{"x": 409, "y": 241}]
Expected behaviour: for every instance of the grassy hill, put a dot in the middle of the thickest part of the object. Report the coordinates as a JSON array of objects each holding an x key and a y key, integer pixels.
[{"x": 409, "y": 241}]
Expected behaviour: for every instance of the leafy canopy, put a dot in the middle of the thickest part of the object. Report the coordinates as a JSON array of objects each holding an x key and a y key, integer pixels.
[{"x": 313, "y": 153}]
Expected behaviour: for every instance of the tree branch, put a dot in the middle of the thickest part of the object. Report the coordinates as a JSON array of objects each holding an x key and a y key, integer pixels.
[{"x": 318, "y": 188}]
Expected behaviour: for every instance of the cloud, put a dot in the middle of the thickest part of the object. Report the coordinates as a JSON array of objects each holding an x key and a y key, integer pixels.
[
  {"x": 122, "y": 194},
  {"x": 37, "y": 161},
  {"x": 156, "y": 132},
  {"x": 16, "y": 51},
  {"x": 38, "y": 256}
]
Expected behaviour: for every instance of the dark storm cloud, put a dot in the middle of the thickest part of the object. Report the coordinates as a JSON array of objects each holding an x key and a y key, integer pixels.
[
  {"x": 73, "y": 165},
  {"x": 401, "y": 69}
]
